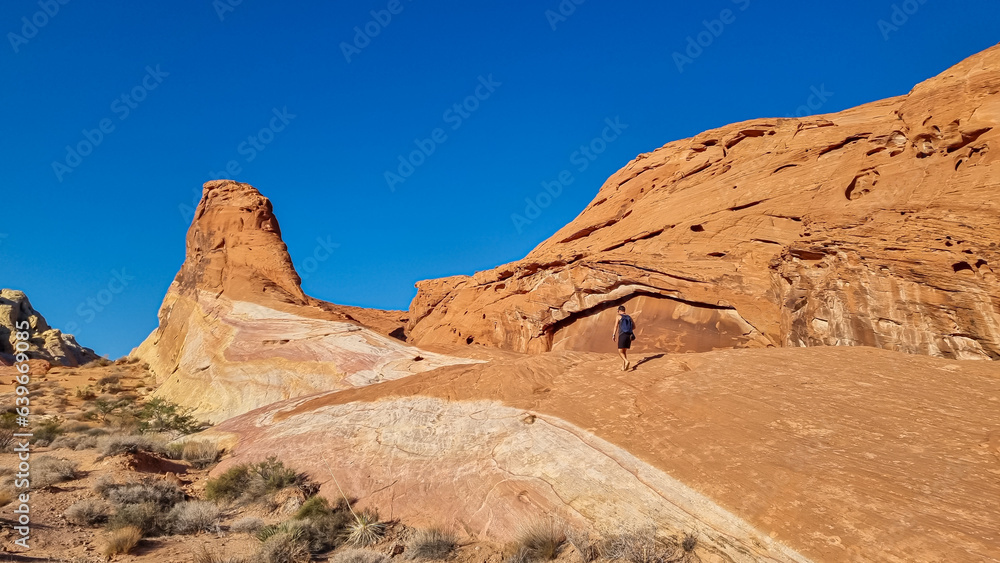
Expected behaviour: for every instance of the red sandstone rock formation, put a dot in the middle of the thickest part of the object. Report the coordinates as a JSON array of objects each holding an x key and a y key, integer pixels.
[
  {"x": 874, "y": 226},
  {"x": 237, "y": 332}
]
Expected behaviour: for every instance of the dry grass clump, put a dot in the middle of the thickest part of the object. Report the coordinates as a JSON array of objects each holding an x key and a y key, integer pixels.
[
  {"x": 584, "y": 544},
  {"x": 6, "y": 497},
  {"x": 203, "y": 555},
  {"x": 536, "y": 542},
  {"x": 354, "y": 555},
  {"x": 130, "y": 443},
  {"x": 87, "y": 512},
  {"x": 284, "y": 546},
  {"x": 157, "y": 491},
  {"x": 75, "y": 442},
  {"x": 193, "y": 516},
  {"x": 645, "y": 546},
  {"x": 431, "y": 543},
  {"x": 200, "y": 453},
  {"x": 47, "y": 470},
  {"x": 246, "y": 525},
  {"x": 121, "y": 541}
]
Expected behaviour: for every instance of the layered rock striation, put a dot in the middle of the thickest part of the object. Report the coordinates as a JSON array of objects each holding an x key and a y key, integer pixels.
[
  {"x": 874, "y": 226},
  {"x": 236, "y": 330}
]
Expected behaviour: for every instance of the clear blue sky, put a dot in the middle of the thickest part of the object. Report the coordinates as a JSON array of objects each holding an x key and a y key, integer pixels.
[{"x": 218, "y": 80}]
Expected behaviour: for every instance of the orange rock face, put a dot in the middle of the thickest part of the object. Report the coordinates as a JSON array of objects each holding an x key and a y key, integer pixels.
[
  {"x": 874, "y": 226},
  {"x": 237, "y": 332}
]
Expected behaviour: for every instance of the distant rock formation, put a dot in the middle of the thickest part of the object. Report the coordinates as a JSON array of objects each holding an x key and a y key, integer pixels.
[
  {"x": 875, "y": 226},
  {"x": 237, "y": 332},
  {"x": 46, "y": 343}
]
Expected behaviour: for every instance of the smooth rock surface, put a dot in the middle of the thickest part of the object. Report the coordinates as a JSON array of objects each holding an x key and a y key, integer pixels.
[
  {"x": 840, "y": 454},
  {"x": 874, "y": 226}
]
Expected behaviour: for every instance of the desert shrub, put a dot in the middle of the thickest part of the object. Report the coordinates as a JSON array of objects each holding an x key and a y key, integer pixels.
[
  {"x": 538, "y": 542},
  {"x": 203, "y": 555},
  {"x": 57, "y": 390},
  {"x": 246, "y": 525},
  {"x": 200, "y": 453},
  {"x": 174, "y": 450},
  {"x": 74, "y": 442},
  {"x": 107, "y": 406},
  {"x": 109, "y": 379},
  {"x": 358, "y": 556},
  {"x": 48, "y": 470},
  {"x": 325, "y": 532},
  {"x": 149, "y": 517},
  {"x": 251, "y": 481},
  {"x": 365, "y": 529},
  {"x": 121, "y": 541},
  {"x": 130, "y": 443},
  {"x": 47, "y": 431},
  {"x": 74, "y": 427},
  {"x": 162, "y": 493},
  {"x": 6, "y": 438},
  {"x": 586, "y": 546},
  {"x": 313, "y": 507},
  {"x": 160, "y": 415},
  {"x": 98, "y": 363},
  {"x": 285, "y": 546},
  {"x": 431, "y": 544},
  {"x": 87, "y": 512},
  {"x": 640, "y": 546},
  {"x": 96, "y": 432},
  {"x": 86, "y": 393},
  {"x": 193, "y": 516}
]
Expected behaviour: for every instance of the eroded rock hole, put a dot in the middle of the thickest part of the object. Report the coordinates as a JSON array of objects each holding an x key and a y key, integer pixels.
[{"x": 697, "y": 228}]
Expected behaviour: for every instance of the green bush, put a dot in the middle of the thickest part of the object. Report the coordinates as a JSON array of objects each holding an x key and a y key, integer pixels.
[
  {"x": 160, "y": 415},
  {"x": 48, "y": 430},
  {"x": 252, "y": 481}
]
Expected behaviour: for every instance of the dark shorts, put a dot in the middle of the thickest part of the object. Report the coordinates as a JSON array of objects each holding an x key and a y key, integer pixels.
[{"x": 624, "y": 340}]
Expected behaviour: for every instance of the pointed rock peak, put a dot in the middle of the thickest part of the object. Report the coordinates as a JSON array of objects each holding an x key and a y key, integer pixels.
[{"x": 234, "y": 248}]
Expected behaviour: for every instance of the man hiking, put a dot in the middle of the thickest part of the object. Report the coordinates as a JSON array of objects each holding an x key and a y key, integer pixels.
[{"x": 624, "y": 334}]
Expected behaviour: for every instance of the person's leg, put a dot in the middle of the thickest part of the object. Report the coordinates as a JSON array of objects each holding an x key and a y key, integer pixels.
[
  {"x": 621, "y": 352},
  {"x": 625, "y": 355}
]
